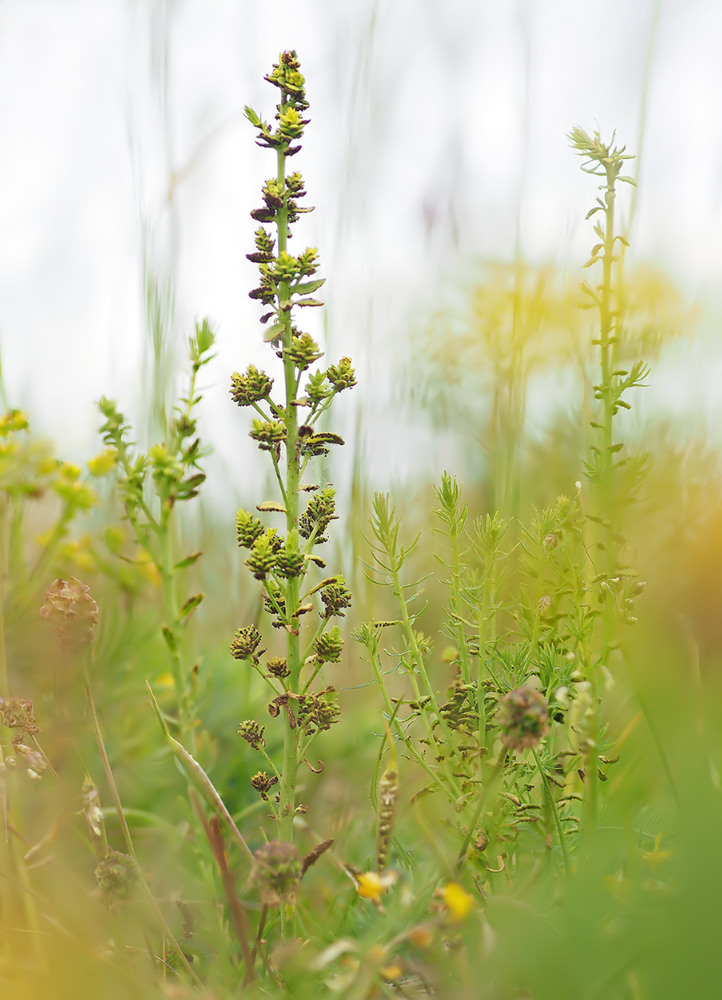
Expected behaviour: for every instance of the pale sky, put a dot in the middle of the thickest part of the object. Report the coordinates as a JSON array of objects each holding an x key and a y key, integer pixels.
[{"x": 437, "y": 136}]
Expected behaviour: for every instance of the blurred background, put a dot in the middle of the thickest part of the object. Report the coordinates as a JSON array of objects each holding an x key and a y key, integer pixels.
[{"x": 438, "y": 163}]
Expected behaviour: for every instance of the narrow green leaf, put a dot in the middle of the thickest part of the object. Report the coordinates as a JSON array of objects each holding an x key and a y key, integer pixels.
[
  {"x": 170, "y": 639},
  {"x": 188, "y": 561},
  {"x": 189, "y": 607},
  {"x": 273, "y": 332},
  {"x": 306, "y": 287}
]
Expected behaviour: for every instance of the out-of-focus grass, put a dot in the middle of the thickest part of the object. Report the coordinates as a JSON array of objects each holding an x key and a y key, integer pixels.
[{"x": 637, "y": 921}]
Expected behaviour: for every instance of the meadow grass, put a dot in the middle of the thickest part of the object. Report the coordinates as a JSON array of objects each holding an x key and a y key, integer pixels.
[{"x": 494, "y": 774}]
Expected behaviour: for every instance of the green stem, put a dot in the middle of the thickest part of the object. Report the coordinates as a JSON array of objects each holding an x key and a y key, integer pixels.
[
  {"x": 125, "y": 830},
  {"x": 289, "y": 768}
]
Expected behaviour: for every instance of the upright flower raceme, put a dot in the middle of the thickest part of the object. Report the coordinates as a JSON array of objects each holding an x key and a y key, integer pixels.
[{"x": 300, "y": 600}]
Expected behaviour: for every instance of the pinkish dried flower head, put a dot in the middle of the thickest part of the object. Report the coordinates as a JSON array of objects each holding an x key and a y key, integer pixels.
[
  {"x": 71, "y": 612},
  {"x": 523, "y": 718},
  {"x": 276, "y": 872}
]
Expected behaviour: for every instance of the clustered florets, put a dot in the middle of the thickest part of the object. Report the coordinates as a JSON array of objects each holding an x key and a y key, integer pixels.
[
  {"x": 71, "y": 612},
  {"x": 245, "y": 644},
  {"x": 252, "y": 732},
  {"x": 276, "y": 872},
  {"x": 523, "y": 718},
  {"x": 320, "y": 511}
]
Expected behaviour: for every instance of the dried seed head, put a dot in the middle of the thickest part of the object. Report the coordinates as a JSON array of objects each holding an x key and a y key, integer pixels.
[
  {"x": 276, "y": 872},
  {"x": 71, "y": 612},
  {"x": 388, "y": 793},
  {"x": 116, "y": 875},
  {"x": 252, "y": 732},
  {"x": 263, "y": 782},
  {"x": 523, "y": 718},
  {"x": 277, "y": 667},
  {"x": 17, "y": 713}
]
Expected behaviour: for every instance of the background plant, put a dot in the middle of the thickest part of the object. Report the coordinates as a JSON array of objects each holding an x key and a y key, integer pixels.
[
  {"x": 534, "y": 615},
  {"x": 474, "y": 871}
]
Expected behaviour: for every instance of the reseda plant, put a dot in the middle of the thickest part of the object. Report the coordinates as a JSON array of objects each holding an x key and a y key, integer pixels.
[
  {"x": 533, "y": 617},
  {"x": 150, "y": 507},
  {"x": 287, "y": 428}
]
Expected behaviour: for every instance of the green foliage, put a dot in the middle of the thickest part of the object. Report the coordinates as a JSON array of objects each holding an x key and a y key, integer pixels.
[{"x": 544, "y": 782}]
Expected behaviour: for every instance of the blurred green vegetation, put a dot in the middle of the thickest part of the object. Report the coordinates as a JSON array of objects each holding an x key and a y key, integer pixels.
[{"x": 633, "y": 920}]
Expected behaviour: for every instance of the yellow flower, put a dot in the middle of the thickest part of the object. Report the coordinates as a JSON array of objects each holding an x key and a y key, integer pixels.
[
  {"x": 103, "y": 463},
  {"x": 372, "y": 885},
  {"x": 457, "y": 901},
  {"x": 69, "y": 471},
  {"x": 655, "y": 857},
  {"x": 13, "y": 420}
]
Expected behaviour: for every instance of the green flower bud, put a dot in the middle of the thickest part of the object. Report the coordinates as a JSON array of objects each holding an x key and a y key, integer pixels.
[
  {"x": 317, "y": 388},
  {"x": 248, "y": 528},
  {"x": 329, "y": 645},
  {"x": 245, "y": 644},
  {"x": 268, "y": 433},
  {"x": 116, "y": 875},
  {"x": 317, "y": 712},
  {"x": 342, "y": 375},
  {"x": 336, "y": 596},
  {"x": 263, "y": 554},
  {"x": 319, "y": 512},
  {"x": 265, "y": 244},
  {"x": 290, "y": 561},
  {"x": 303, "y": 351},
  {"x": 251, "y": 387}
]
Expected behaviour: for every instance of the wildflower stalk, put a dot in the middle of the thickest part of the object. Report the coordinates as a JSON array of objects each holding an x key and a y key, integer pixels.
[
  {"x": 606, "y": 161},
  {"x": 175, "y": 475},
  {"x": 282, "y": 562}
]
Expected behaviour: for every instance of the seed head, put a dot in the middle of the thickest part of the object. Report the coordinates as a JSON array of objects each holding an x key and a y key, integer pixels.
[
  {"x": 71, "y": 612},
  {"x": 116, "y": 875},
  {"x": 252, "y": 732},
  {"x": 523, "y": 718},
  {"x": 276, "y": 872}
]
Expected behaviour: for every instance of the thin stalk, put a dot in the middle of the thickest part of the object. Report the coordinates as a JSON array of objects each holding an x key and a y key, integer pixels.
[
  {"x": 551, "y": 808},
  {"x": 125, "y": 830},
  {"x": 289, "y": 769},
  {"x": 484, "y": 799}
]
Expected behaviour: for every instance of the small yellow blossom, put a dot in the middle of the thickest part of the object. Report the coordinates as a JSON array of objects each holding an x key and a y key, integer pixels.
[
  {"x": 79, "y": 552},
  {"x": 69, "y": 471},
  {"x": 457, "y": 901},
  {"x": 656, "y": 857},
  {"x": 372, "y": 885},
  {"x": 103, "y": 463},
  {"x": 114, "y": 538},
  {"x": 13, "y": 420}
]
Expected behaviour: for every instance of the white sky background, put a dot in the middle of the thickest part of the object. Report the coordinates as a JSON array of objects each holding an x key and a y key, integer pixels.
[{"x": 438, "y": 128}]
